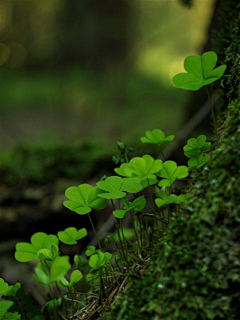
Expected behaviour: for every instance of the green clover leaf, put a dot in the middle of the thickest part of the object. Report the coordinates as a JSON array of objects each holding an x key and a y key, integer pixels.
[
  {"x": 12, "y": 290},
  {"x": 200, "y": 72},
  {"x": 84, "y": 198},
  {"x": 157, "y": 137},
  {"x": 76, "y": 276},
  {"x": 59, "y": 267},
  {"x": 115, "y": 187},
  {"x": 91, "y": 250},
  {"x": 144, "y": 168},
  {"x": 137, "y": 205},
  {"x": 28, "y": 251},
  {"x": 3, "y": 287},
  {"x": 11, "y": 316},
  {"x": 4, "y": 306},
  {"x": 197, "y": 162},
  {"x": 41, "y": 275},
  {"x": 196, "y": 146},
  {"x": 99, "y": 260},
  {"x": 71, "y": 235},
  {"x": 163, "y": 198},
  {"x": 171, "y": 172},
  {"x": 50, "y": 253}
]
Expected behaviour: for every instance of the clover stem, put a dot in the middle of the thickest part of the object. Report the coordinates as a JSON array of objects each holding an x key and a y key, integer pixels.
[
  {"x": 153, "y": 208},
  {"x": 124, "y": 240},
  {"x": 21, "y": 308},
  {"x": 213, "y": 116},
  {"x": 63, "y": 300},
  {"x": 135, "y": 231},
  {"x": 121, "y": 243},
  {"x": 141, "y": 238},
  {"x": 54, "y": 302},
  {"x": 162, "y": 154},
  {"x": 99, "y": 244}
]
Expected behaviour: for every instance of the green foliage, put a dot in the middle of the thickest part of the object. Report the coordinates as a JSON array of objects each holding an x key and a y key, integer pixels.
[
  {"x": 196, "y": 146},
  {"x": 144, "y": 168},
  {"x": 115, "y": 187},
  {"x": 196, "y": 149},
  {"x": 138, "y": 174},
  {"x": 84, "y": 198},
  {"x": 157, "y": 137},
  {"x": 137, "y": 205},
  {"x": 163, "y": 198},
  {"x": 8, "y": 291},
  {"x": 29, "y": 251},
  {"x": 71, "y": 235},
  {"x": 99, "y": 260},
  {"x": 171, "y": 172},
  {"x": 200, "y": 72}
]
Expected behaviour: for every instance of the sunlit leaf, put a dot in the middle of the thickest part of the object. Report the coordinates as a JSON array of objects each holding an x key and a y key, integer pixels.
[
  {"x": 84, "y": 198},
  {"x": 71, "y": 235},
  {"x": 157, "y": 137},
  {"x": 200, "y": 72},
  {"x": 171, "y": 172}
]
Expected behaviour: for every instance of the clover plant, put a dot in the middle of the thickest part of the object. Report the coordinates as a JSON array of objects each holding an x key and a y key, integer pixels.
[
  {"x": 5, "y": 305},
  {"x": 200, "y": 73},
  {"x": 128, "y": 192}
]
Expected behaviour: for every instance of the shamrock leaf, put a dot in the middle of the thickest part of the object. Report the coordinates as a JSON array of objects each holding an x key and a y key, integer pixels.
[
  {"x": 29, "y": 251},
  {"x": 197, "y": 162},
  {"x": 170, "y": 171},
  {"x": 137, "y": 205},
  {"x": 71, "y": 235},
  {"x": 196, "y": 146},
  {"x": 12, "y": 290},
  {"x": 157, "y": 137},
  {"x": 164, "y": 198},
  {"x": 3, "y": 287},
  {"x": 50, "y": 253},
  {"x": 91, "y": 250},
  {"x": 11, "y": 316},
  {"x": 99, "y": 260},
  {"x": 4, "y": 306},
  {"x": 200, "y": 72},
  {"x": 143, "y": 168},
  {"x": 84, "y": 199},
  {"x": 115, "y": 187},
  {"x": 76, "y": 276}
]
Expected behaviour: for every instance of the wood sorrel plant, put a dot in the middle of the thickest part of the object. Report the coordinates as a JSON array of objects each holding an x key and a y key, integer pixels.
[
  {"x": 126, "y": 192},
  {"x": 102, "y": 273},
  {"x": 200, "y": 73}
]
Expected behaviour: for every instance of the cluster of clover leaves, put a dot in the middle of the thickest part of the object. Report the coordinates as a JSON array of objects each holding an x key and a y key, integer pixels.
[{"x": 126, "y": 193}]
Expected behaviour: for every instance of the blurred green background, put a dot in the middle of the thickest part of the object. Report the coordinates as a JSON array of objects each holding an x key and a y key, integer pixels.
[{"x": 90, "y": 69}]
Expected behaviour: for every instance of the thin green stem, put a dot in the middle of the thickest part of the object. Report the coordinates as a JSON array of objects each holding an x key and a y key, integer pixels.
[
  {"x": 153, "y": 208},
  {"x": 213, "y": 116},
  {"x": 135, "y": 231},
  {"x": 99, "y": 244},
  {"x": 54, "y": 302},
  {"x": 141, "y": 237},
  {"x": 21, "y": 308}
]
